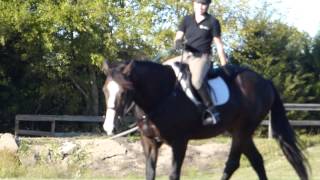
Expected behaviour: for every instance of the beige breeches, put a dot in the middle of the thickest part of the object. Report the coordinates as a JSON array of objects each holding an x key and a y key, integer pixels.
[{"x": 199, "y": 66}]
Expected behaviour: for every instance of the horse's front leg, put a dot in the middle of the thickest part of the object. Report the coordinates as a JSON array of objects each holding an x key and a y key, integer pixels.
[
  {"x": 150, "y": 149},
  {"x": 179, "y": 148}
]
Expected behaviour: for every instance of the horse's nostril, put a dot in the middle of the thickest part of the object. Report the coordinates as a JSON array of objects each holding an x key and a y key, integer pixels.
[{"x": 109, "y": 133}]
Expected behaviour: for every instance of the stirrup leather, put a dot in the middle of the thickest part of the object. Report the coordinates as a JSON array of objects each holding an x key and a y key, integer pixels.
[{"x": 210, "y": 116}]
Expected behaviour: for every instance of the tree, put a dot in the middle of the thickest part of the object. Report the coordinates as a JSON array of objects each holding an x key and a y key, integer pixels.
[
  {"x": 314, "y": 66},
  {"x": 279, "y": 52},
  {"x": 59, "y": 46}
]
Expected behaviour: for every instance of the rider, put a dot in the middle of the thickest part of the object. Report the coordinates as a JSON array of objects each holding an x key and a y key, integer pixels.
[{"x": 199, "y": 30}]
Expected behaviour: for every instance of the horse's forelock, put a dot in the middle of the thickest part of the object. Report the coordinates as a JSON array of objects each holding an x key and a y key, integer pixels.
[{"x": 120, "y": 78}]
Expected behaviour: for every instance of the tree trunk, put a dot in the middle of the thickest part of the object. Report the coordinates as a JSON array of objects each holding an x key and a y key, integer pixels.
[{"x": 94, "y": 92}]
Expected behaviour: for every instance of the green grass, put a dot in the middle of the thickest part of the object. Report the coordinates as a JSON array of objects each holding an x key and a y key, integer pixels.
[{"x": 9, "y": 165}]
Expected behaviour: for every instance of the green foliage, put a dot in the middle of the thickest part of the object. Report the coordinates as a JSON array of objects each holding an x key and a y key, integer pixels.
[
  {"x": 51, "y": 51},
  {"x": 280, "y": 53},
  {"x": 9, "y": 164}
]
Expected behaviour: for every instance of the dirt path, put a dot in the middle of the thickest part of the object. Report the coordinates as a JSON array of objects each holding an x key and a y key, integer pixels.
[{"x": 118, "y": 157}]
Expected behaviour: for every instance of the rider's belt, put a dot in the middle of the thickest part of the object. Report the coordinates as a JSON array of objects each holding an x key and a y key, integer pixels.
[{"x": 197, "y": 54}]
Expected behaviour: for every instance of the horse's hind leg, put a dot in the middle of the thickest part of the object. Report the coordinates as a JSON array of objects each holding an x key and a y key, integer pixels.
[
  {"x": 150, "y": 149},
  {"x": 233, "y": 161},
  {"x": 246, "y": 146},
  {"x": 255, "y": 158}
]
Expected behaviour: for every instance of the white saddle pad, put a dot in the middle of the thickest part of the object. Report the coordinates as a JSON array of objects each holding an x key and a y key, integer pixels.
[{"x": 219, "y": 91}]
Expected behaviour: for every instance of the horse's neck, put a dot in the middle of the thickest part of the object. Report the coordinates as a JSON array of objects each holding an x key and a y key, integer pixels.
[{"x": 152, "y": 85}]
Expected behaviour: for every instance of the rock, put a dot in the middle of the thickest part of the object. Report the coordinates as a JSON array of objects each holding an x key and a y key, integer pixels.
[
  {"x": 8, "y": 142},
  {"x": 29, "y": 160},
  {"x": 67, "y": 148}
]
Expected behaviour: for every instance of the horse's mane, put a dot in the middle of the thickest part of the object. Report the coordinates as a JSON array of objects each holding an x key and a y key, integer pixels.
[
  {"x": 148, "y": 64},
  {"x": 141, "y": 65},
  {"x": 159, "y": 70}
]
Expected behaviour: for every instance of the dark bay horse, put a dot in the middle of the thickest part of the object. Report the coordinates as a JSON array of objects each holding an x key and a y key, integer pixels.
[{"x": 166, "y": 115}]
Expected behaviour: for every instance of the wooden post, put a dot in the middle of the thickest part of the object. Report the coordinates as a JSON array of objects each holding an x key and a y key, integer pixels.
[
  {"x": 270, "y": 133},
  {"x": 53, "y": 127},
  {"x": 16, "y": 127}
]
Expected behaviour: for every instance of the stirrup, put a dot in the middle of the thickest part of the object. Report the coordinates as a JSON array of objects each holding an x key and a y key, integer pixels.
[{"x": 210, "y": 117}]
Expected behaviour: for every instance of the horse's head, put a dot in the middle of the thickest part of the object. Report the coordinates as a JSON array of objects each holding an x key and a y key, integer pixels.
[{"x": 118, "y": 93}]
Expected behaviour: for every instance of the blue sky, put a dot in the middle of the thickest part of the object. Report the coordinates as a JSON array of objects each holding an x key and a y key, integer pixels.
[{"x": 304, "y": 14}]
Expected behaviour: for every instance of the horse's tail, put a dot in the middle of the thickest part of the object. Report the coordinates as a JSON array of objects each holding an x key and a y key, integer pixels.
[{"x": 286, "y": 137}]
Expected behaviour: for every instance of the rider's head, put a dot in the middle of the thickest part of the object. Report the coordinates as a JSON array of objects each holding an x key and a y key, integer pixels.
[
  {"x": 201, "y": 6},
  {"x": 203, "y": 1}
]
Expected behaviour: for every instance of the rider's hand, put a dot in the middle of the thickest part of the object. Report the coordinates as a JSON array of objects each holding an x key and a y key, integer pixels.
[
  {"x": 178, "y": 44},
  {"x": 226, "y": 70}
]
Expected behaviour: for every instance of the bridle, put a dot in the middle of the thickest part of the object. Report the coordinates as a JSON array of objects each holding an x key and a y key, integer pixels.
[
  {"x": 129, "y": 108},
  {"x": 147, "y": 116}
]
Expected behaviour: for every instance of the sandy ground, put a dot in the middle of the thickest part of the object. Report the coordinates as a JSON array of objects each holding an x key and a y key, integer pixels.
[{"x": 118, "y": 157}]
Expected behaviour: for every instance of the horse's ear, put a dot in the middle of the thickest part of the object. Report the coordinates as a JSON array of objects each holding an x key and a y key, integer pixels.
[
  {"x": 127, "y": 70},
  {"x": 105, "y": 67}
]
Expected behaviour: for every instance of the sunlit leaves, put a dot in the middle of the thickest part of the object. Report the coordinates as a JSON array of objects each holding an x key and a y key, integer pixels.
[{"x": 279, "y": 52}]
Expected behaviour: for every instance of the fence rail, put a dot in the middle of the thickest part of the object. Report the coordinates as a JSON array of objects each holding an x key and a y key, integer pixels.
[
  {"x": 54, "y": 119},
  {"x": 295, "y": 107}
]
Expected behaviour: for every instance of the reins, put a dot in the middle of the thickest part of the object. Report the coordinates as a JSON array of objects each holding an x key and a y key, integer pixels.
[
  {"x": 173, "y": 92},
  {"x": 166, "y": 53},
  {"x": 129, "y": 108},
  {"x": 145, "y": 117},
  {"x": 178, "y": 80}
]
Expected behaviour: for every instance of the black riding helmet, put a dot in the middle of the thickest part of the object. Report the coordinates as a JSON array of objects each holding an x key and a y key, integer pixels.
[{"x": 203, "y": 1}]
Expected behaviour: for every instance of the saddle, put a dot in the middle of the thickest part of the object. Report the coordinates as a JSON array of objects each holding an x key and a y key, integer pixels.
[{"x": 217, "y": 78}]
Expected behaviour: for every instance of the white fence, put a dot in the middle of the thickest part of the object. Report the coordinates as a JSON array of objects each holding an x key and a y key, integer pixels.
[{"x": 296, "y": 107}]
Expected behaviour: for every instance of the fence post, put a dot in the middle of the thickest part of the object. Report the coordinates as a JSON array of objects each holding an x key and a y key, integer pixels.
[
  {"x": 270, "y": 133},
  {"x": 53, "y": 127},
  {"x": 16, "y": 127}
]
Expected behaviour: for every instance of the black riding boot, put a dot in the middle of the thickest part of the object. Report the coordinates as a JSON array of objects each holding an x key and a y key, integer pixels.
[{"x": 210, "y": 115}]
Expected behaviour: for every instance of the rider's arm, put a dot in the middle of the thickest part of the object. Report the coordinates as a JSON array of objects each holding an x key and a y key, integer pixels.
[
  {"x": 178, "y": 40},
  {"x": 219, "y": 45},
  {"x": 179, "y": 35}
]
